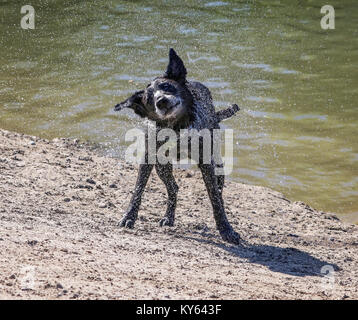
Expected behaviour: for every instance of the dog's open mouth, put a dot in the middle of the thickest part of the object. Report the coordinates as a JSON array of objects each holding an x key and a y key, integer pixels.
[{"x": 170, "y": 109}]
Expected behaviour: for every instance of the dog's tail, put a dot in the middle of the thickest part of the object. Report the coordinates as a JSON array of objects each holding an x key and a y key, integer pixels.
[{"x": 227, "y": 113}]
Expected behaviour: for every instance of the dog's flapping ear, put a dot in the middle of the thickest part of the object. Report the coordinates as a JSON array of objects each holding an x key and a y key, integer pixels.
[
  {"x": 176, "y": 69},
  {"x": 134, "y": 102}
]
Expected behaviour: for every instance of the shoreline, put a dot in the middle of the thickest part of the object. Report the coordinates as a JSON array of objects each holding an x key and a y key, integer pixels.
[{"x": 60, "y": 203}]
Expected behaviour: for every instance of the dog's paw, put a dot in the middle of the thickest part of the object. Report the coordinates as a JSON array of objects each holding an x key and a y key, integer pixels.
[
  {"x": 231, "y": 236},
  {"x": 166, "y": 222},
  {"x": 126, "y": 223}
]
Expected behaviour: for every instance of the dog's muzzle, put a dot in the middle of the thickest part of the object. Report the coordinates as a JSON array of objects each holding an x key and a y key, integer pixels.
[{"x": 165, "y": 106}]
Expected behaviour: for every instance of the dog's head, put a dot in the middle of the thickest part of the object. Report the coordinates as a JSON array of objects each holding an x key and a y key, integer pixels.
[{"x": 166, "y": 99}]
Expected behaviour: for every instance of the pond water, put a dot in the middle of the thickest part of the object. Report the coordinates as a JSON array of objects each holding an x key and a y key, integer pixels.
[{"x": 297, "y": 84}]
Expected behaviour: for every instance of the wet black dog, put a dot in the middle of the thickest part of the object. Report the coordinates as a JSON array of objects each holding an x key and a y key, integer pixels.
[{"x": 173, "y": 102}]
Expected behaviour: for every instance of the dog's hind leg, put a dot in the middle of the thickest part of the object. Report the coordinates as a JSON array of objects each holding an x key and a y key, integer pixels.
[
  {"x": 220, "y": 178},
  {"x": 131, "y": 214},
  {"x": 222, "y": 223},
  {"x": 165, "y": 173}
]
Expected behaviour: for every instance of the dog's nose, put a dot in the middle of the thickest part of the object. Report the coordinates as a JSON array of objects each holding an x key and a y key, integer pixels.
[{"x": 162, "y": 103}]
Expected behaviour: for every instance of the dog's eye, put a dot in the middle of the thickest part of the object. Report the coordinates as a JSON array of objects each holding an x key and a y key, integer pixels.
[{"x": 167, "y": 87}]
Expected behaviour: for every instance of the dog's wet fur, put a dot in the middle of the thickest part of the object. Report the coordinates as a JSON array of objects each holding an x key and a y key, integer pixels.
[{"x": 174, "y": 102}]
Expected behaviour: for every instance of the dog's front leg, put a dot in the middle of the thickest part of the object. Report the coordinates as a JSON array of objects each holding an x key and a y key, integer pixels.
[
  {"x": 131, "y": 214},
  {"x": 222, "y": 223},
  {"x": 165, "y": 173}
]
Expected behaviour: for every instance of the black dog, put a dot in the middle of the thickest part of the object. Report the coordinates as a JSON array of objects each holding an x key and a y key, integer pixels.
[{"x": 173, "y": 102}]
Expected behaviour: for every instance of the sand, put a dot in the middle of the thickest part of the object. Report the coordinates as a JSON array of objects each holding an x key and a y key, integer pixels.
[{"x": 60, "y": 204}]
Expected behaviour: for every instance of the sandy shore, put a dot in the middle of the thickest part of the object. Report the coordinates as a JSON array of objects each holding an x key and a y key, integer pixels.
[{"x": 60, "y": 204}]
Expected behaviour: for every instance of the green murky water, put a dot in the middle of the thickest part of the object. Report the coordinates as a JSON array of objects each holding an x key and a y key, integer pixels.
[{"x": 296, "y": 83}]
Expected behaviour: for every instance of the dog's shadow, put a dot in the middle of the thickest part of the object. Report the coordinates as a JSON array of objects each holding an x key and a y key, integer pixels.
[{"x": 290, "y": 261}]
